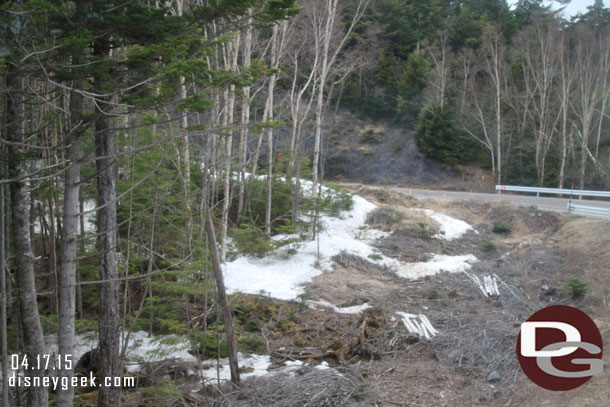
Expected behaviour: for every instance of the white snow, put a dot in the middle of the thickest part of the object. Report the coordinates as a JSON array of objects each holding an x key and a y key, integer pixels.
[
  {"x": 259, "y": 364},
  {"x": 283, "y": 278},
  {"x": 354, "y": 309},
  {"x": 438, "y": 263},
  {"x": 451, "y": 228},
  {"x": 144, "y": 348}
]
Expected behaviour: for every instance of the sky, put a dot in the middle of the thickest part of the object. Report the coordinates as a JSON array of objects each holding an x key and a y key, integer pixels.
[{"x": 575, "y": 6}]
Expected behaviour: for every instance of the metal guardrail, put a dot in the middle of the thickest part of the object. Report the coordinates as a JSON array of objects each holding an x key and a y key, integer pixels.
[
  {"x": 589, "y": 210},
  {"x": 555, "y": 191}
]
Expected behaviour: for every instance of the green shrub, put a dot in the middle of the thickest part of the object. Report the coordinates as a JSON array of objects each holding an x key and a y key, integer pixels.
[
  {"x": 500, "y": 228},
  {"x": 369, "y": 136},
  {"x": 207, "y": 344},
  {"x": 576, "y": 287},
  {"x": 433, "y": 294},
  {"x": 423, "y": 230},
  {"x": 251, "y": 240},
  {"x": 489, "y": 246},
  {"x": 335, "y": 202},
  {"x": 251, "y": 343},
  {"x": 375, "y": 256}
]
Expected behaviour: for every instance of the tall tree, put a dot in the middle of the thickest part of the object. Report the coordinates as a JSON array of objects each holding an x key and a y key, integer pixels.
[
  {"x": 15, "y": 19},
  {"x": 328, "y": 46}
]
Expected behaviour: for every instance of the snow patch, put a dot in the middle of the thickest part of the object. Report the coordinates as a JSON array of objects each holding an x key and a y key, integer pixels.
[
  {"x": 282, "y": 278},
  {"x": 451, "y": 228},
  {"x": 437, "y": 264},
  {"x": 355, "y": 309},
  {"x": 256, "y": 365}
]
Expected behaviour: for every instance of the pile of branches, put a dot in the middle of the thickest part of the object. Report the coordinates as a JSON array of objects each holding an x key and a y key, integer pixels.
[
  {"x": 349, "y": 260},
  {"x": 481, "y": 338},
  {"x": 309, "y": 386}
]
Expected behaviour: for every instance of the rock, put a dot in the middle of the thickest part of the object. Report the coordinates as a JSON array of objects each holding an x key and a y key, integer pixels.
[{"x": 494, "y": 377}]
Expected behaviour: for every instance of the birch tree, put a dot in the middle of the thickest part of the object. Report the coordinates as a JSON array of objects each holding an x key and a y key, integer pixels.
[
  {"x": 540, "y": 73},
  {"x": 324, "y": 16},
  {"x": 495, "y": 67},
  {"x": 589, "y": 72}
]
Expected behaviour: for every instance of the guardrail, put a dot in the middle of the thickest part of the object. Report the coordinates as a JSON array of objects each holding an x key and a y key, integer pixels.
[
  {"x": 589, "y": 210},
  {"x": 555, "y": 191}
]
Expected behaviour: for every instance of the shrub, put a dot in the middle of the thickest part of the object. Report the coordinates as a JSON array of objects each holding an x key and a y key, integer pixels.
[
  {"x": 489, "y": 246},
  {"x": 369, "y": 136},
  {"x": 375, "y": 256},
  {"x": 207, "y": 344},
  {"x": 251, "y": 240},
  {"x": 500, "y": 228},
  {"x": 576, "y": 287},
  {"x": 433, "y": 294},
  {"x": 423, "y": 230},
  {"x": 335, "y": 202},
  {"x": 251, "y": 343}
]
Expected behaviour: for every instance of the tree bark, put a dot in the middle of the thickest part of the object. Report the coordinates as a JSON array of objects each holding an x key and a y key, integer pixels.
[
  {"x": 69, "y": 232},
  {"x": 222, "y": 299},
  {"x": 68, "y": 254},
  {"x": 245, "y": 121},
  {"x": 24, "y": 257},
  {"x": 3, "y": 291},
  {"x": 108, "y": 308}
]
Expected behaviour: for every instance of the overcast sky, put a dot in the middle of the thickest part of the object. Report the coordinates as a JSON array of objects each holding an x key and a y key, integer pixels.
[{"x": 575, "y": 6}]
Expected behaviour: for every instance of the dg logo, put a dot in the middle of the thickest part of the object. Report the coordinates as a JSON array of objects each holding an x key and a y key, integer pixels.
[{"x": 560, "y": 348}]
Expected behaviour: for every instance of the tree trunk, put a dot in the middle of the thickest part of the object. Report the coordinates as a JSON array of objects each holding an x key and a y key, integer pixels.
[
  {"x": 69, "y": 232},
  {"x": 222, "y": 299},
  {"x": 3, "y": 291},
  {"x": 271, "y": 90},
  {"x": 69, "y": 246},
  {"x": 108, "y": 307},
  {"x": 232, "y": 50},
  {"x": 245, "y": 121},
  {"x": 24, "y": 257}
]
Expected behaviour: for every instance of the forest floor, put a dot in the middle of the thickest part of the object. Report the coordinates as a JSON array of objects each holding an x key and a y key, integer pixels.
[{"x": 351, "y": 336}]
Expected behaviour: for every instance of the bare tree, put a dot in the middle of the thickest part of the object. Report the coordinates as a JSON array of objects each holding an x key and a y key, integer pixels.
[
  {"x": 564, "y": 96},
  {"x": 539, "y": 65},
  {"x": 589, "y": 77},
  {"x": 324, "y": 16},
  {"x": 441, "y": 57}
]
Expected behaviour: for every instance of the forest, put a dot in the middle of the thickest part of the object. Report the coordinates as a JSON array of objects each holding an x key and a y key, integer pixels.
[{"x": 145, "y": 143}]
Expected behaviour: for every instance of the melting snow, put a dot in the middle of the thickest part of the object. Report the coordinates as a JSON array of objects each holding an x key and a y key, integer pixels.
[
  {"x": 258, "y": 364},
  {"x": 282, "y": 278},
  {"x": 435, "y": 265},
  {"x": 451, "y": 228},
  {"x": 355, "y": 309}
]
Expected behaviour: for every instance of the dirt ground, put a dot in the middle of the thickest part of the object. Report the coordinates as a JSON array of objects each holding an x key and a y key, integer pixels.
[{"x": 377, "y": 362}]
